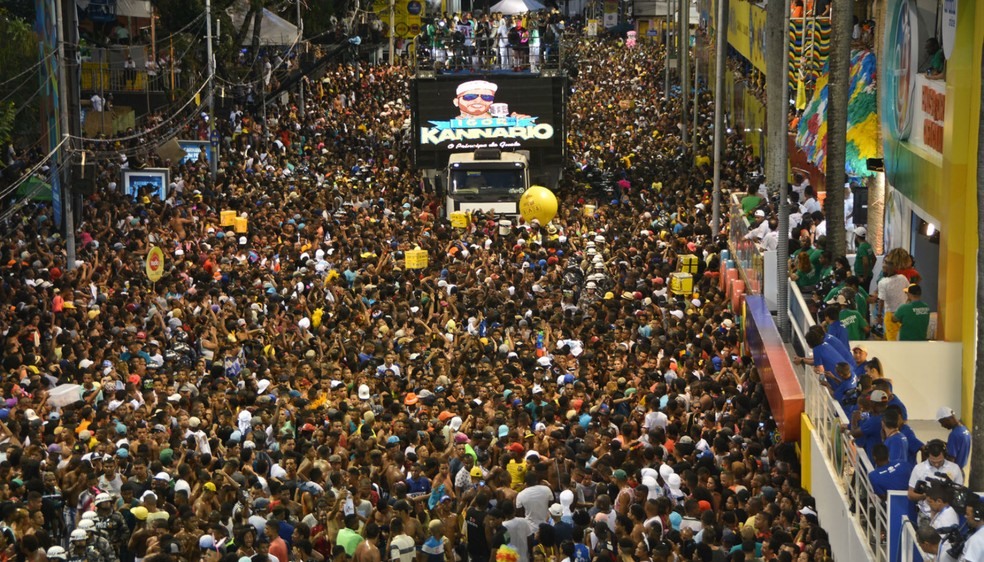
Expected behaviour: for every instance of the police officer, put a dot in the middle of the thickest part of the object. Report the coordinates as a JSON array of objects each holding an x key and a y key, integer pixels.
[
  {"x": 79, "y": 549},
  {"x": 110, "y": 522},
  {"x": 96, "y": 539}
]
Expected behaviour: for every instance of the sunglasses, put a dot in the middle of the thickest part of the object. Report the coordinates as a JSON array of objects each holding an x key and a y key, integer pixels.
[{"x": 472, "y": 97}]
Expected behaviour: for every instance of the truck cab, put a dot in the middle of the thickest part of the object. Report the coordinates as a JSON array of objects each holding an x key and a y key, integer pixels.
[{"x": 487, "y": 179}]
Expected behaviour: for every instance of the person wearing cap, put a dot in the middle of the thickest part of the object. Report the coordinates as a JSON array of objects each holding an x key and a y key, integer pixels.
[
  {"x": 913, "y": 316},
  {"x": 934, "y": 465},
  {"x": 864, "y": 257},
  {"x": 958, "y": 440}
]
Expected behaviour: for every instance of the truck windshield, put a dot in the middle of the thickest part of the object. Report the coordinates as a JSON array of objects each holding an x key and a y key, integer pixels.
[{"x": 487, "y": 184}]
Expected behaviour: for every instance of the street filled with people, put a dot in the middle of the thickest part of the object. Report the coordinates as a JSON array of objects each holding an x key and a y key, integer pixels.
[{"x": 289, "y": 390}]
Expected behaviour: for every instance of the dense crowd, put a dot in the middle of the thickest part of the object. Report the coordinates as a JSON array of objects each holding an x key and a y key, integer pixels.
[{"x": 294, "y": 392}]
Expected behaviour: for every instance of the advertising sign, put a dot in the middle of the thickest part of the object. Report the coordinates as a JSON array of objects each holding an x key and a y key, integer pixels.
[
  {"x": 193, "y": 150},
  {"x": 901, "y": 62},
  {"x": 155, "y": 264},
  {"x": 406, "y": 16},
  {"x": 949, "y": 26},
  {"x": 463, "y": 114},
  {"x": 152, "y": 182}
]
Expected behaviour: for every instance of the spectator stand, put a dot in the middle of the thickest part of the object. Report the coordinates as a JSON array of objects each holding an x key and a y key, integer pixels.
[{"x": 836, "y": 471}]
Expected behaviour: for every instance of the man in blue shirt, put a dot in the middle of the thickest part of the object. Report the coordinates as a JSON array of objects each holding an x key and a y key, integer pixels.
[
  {"x": 896, "y": 441},
  {"x": 888, "y": 476},
  {"x": 958, "y": 444}
]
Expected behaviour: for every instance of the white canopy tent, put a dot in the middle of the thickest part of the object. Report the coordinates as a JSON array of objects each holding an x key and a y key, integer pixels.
[
  {"x": 510, "y": 7},
  {"x": 274, "y": 30}
]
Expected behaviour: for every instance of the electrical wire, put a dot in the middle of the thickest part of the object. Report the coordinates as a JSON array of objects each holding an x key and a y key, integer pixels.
[
  {"x": 28, "y": 197},
  {"x": 31, "y": 69},
  {"x": 32, "y": 171}
]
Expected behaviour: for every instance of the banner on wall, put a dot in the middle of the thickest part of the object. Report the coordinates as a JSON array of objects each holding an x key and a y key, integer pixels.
[
  {"x": 901, "y": 66},
  {"x": 949, "y": 27},
  {"x": 406, "y": 16}
]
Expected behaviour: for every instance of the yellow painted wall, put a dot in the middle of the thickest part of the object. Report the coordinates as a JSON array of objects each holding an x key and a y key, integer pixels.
[
  {"x": 946, "y": 189},
  {"x": 806, "y": 453},
  {"x": 958, "y": 257}
]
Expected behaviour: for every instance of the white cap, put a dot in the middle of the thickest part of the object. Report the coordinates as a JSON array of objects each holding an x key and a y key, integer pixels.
[
  {"x": 861, "y": 231},
  {"x": 162, "y": 476},
  {"x": 194, "y": 421},
  {"x": 363, "y": 392},
  {"x": 945, "y": 412}
]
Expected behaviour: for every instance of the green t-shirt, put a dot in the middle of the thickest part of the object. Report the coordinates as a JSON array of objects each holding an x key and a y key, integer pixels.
[
  {"x": 854, "y": 323},
  {"x": 815, "y": 254},
  {"x": 914, "y": 317},
  {"x": 749, "y": 203},
  {"x": 349, "y": 540},
  {"x": 808, "y": 279},
  {"x": 864, "y": 251}
]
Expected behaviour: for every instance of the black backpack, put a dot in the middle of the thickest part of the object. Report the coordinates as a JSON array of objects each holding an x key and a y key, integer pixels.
[{"x": 514, "y": 36}]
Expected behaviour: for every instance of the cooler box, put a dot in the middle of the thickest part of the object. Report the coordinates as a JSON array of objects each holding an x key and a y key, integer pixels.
[
  {"x": 688, "y": 264},
  {"x": 681, "y": 283},
  {"x": 459, "y": 219},
  {"x": 416, "y": 259},
  {"x": 227, "y": 218}
]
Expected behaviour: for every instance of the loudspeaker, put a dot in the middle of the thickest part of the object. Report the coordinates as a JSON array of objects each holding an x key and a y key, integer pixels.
[
  {"x": 860, "y": 205},
  {"x": 84, "y": 178}
]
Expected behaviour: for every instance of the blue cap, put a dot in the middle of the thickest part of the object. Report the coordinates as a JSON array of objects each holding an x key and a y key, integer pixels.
[
  {"x": 122, "y": 453},
  {"x": 392, "y": 440}
]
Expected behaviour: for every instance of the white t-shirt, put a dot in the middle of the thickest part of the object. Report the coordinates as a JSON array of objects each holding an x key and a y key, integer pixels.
[
  {"x": 536, "y": 501},
  {"x": 924, "y": 470},
  {"x": 974, "y": 547}
]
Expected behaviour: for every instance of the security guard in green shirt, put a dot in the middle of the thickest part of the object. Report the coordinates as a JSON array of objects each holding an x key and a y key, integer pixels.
[{"x": 913, "y": 315}]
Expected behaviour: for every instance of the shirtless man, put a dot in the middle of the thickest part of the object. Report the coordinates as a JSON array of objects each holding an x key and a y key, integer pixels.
[{"x": 367, "y": 551}]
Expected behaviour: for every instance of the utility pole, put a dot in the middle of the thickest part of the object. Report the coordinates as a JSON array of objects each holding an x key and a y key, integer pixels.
[
  {"x": 213, "y": 162},
  {"x": 392, "y": 32},
  {"x": 666, "y": 85},
  {"x": 696, "y": 89},
  {"x": 66, "y": 17},
  {"x": 300, "y": 39},
  {"x": 777, "y": 157},
  {"x": 721, "y": 30},
  {"x": 684, "y": 62}
]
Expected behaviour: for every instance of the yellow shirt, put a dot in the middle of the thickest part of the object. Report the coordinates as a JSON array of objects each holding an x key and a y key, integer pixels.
[{"x": 517, "y": 473}]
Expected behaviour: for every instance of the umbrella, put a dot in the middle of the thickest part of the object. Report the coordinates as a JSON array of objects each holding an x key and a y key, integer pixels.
[
  {"x": 510, "y": 7},
  {"x": 35, "y": 188}
]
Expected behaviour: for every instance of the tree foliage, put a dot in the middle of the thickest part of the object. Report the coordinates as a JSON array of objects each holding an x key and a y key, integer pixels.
[{"x": 21, "y": 87}]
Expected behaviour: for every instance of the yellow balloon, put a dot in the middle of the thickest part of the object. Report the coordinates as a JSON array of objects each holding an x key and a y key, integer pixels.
[{"x": 538, "y": 203}]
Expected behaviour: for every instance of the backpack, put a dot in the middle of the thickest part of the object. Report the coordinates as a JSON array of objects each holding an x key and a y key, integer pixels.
[{"x": 514, "y": 36}]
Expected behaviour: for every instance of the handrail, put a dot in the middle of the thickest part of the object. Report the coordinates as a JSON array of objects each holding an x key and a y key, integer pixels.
[
  {"x": 909, "y": 550},
  {"x": 851, "y": 464},
  {"x": 800, "y": 317}
]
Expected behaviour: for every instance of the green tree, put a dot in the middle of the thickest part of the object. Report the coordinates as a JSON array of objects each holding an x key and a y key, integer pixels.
[{"x": 22, "y": 84}]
